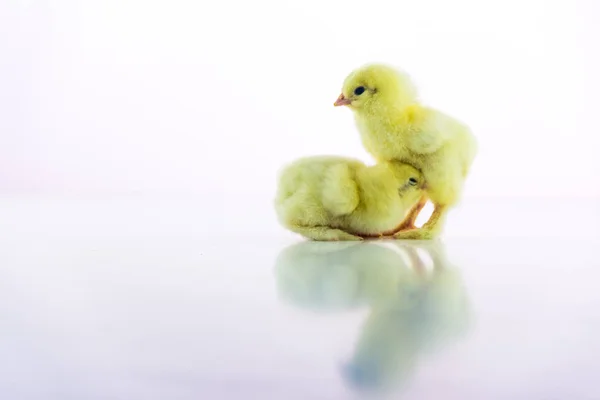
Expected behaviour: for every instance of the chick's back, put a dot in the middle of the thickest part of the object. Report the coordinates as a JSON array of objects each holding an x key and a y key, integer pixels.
[
  {"x": 442, "y": 147},
  {"x": 311, "y": 190}
]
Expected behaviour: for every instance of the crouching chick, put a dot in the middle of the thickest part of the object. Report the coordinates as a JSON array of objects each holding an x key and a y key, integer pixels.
[{"x": 335, "y": 198}]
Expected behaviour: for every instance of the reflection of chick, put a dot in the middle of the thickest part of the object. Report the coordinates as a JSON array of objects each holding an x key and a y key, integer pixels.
[
  {"x": 339, "y": 275},
  {"x": 396, "y": 333},
  {"x": 394, "y": 126},
  {"x": 413, "y": 309},
  {"x": 335, "y": 198}
]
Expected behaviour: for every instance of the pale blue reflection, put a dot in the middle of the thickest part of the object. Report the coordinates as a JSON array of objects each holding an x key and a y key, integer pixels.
[{"x": 416, "y": 298}]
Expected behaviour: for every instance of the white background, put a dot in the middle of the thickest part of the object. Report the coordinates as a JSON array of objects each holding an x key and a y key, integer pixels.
[
  {"x": 202, "y": 101},
  {"x": 213, "y": 97}
]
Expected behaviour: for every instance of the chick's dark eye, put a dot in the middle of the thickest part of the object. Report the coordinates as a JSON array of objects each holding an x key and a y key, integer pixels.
[
  {"x": 412, "y": 181},
  {"x": 359, "y": 90}
]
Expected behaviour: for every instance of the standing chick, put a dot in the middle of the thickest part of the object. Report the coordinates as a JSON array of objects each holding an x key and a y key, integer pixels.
[
  {"x": 394, "y": 125},
  {"x": 335, "y": 198}
]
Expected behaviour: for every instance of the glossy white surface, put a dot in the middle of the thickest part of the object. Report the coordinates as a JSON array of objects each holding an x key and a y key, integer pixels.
[{"x": 172, "y": 299}]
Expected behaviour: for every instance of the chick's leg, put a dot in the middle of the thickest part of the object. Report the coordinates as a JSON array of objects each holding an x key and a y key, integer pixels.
[
  {"x": 411, "y": 216},
  {"x": 430, "y": 229},
  {"x": 437, "y": 219},
  {"x": 323, "y": 233}
]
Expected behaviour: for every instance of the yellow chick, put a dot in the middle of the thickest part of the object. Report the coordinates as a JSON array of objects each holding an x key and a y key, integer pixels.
[
  {"x": 335, "y": 198},
  {"x": 394, "y": 125}
]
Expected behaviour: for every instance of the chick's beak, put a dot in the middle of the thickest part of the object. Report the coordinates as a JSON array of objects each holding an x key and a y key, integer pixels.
[{"x": 342, "y": 101}]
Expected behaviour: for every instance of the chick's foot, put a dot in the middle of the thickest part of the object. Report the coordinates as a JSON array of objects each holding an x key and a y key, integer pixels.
[
  {"x": 405, "y": 226},
  {"x": 416, "y": 234},
  {"x": 411, "y": 216},
  {"x": 337, "y": 235}
]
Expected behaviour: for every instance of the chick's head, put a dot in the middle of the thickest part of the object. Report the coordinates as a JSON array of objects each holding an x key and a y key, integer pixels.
[
  {"x": 410, "y": 181},
  {"x": 375, "y": 86},
  {"x": 408, "y": 177}
]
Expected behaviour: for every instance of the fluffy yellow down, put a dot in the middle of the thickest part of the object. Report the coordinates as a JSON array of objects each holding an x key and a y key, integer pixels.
[
  {"x": 394, "y": 125},
  {"x": 336, "y": 198}
]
